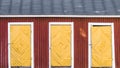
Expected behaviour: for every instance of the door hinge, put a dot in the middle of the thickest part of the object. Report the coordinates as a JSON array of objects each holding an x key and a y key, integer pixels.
[
  {"x": 10, "y": 43},
  {"x": 90, "y": 44}
]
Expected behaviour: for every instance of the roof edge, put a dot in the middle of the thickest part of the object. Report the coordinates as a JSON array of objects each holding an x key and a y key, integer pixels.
[{"x": 78, "y": 16}]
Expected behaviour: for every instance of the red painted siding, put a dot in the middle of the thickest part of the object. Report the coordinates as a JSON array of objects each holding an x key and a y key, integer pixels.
[{"x": 41, "y": 41}]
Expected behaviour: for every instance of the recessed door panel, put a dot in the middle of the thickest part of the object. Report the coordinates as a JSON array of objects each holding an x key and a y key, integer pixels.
[
  {"x": 60, "y": 37},
  {"x": 20, "y": 46},
  {"x": 101, "y": 46}
]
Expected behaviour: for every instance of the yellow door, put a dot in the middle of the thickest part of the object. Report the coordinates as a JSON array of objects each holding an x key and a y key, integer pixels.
[
  {"x": 20, "y": 48},
  {"x": 60, "y": 45},
  {"x": 101, "y": 46}
]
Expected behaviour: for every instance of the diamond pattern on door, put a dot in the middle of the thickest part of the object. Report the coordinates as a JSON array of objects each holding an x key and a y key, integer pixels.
[
  {"x": 20, "y": 47},
  {"x": 60, "y": 45},
  {"x": 101, "y": 46}
]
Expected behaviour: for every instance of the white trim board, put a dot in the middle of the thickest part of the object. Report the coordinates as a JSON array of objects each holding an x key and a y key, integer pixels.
[
  {"x": 32, "y": 40},
  {"x": 72, "y": 40},
  {"x": 80, "y": 16},
  {"x": 90, "y": 44}
]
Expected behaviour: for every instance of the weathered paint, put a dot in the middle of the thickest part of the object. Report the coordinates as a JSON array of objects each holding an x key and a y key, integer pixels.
[{"x": 41, "y": 39}]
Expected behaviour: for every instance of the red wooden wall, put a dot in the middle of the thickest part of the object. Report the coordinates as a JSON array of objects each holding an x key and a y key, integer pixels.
[{"x": 41, "y": 41}]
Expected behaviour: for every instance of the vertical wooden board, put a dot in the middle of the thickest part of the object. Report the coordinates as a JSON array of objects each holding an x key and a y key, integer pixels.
[{"x": 80, "y": 44}]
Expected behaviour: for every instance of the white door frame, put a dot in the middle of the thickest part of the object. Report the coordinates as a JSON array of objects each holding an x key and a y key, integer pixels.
[
  {"x": 32, "y": 40},
  {"x": 90, "y": 44},
  {"x": 72, "y": 40}
]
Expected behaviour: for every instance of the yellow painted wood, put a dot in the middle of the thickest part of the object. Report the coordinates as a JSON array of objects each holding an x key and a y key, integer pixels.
[
  {"x": 60, "y": 45},
  {"x": 20, "y": 48},
  {"x": 101, "y": 46}
]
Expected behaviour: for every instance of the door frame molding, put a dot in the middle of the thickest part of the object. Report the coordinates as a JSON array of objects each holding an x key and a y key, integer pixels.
[
  {"x": 32, "y": 40},
  {"x": 90, "y": 44},
  {"x": 72, "y": 40}
]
